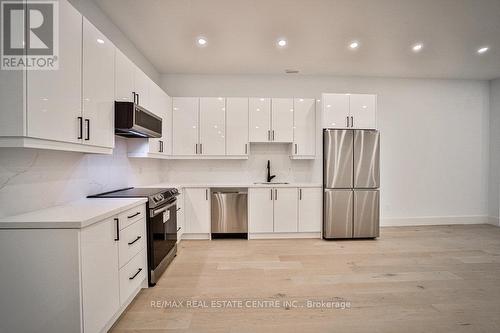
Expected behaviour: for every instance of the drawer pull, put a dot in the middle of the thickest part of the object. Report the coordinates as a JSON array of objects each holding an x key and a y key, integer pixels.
[
  {"x": 137, "y": 273},
  {"x": 135, "y": 240},
  {"x": 178, "y": 229},
  {"x": 134, "y": 215}
]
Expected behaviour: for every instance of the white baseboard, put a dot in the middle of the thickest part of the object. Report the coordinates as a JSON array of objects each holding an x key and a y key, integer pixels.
[
  {"x": 283, "y": 235},
  {"x": 434, "y": 220},
  {"x": 493, "y": 220}
]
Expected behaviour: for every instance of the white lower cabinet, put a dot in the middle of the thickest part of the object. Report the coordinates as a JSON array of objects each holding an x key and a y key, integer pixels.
[
  {"x": 114, "y": 266},
  {"x": 260, "y": 210},
  {"x": 310, "y": 209},
  {"x": 285, "y": 209},
  {"x": 100, "y": 276},
  {"x": 197, "y": 211},
  {"x": 72, "y": 280}
]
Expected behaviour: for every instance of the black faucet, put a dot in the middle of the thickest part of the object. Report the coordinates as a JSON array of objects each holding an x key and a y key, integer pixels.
[{"x": 269, "y": 177}]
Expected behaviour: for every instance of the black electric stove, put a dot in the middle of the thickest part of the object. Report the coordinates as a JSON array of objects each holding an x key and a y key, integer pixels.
[{"x": 161, "y": 224}]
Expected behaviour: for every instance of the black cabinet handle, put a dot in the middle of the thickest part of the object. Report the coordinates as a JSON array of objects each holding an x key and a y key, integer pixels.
[
  {"x": 138, "y": 99},
  {"x": 134, "y": 215},
  {"x": 347, "y": 121},
  {"x": 133, "y": 277},
  {"x": 87, "y": 122},
  {"x": 178, "y": 209},
  {"x": 135, "y": 240},
  {"x": 352, "y": 121},
  {"x": 178, "y": 229},
  {"x": 161, "y": 146},
  {"x": 80, "y": 124},
  {"x": 117, "y": 229},
  {"x": 134, "y": 94}
]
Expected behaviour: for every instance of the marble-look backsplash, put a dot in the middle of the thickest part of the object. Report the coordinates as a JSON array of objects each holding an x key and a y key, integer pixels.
[{"x": 33, "y": 179}]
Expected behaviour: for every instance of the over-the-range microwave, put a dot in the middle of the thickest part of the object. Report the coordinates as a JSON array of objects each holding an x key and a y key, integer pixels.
[{"x": 134, "y": 121}]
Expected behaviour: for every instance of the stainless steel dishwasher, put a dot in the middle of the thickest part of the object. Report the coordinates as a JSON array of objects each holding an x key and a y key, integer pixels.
[{"x": 229, "y": 212}]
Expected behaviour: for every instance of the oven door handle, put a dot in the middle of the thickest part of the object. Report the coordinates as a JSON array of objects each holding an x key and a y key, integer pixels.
[{"x": 155, "y": 212}]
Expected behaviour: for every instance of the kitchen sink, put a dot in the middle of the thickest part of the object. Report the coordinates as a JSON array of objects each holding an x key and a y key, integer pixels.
[{"x": 265, "y": 183}]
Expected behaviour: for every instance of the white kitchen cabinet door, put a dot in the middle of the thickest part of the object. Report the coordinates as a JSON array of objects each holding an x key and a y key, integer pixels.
[
  {"x": 212, "y": 126},
  {"x": 159, "y": 101},
  {"x": 98, "y": 88},
  {"x": 363, "y": 109},
  {"x": 185, "y": 125},
  {"x": 167, "y": 126},
  {"x": 100, "y": 277},
  {"x": 260, "y": 210},
  {"x": 304, "y": 127},
  {"x": 124, "y": 77},
  {"x": 54, "y": 99},
  {"x": 260, "y": 119},
  {"x": 141, "y": 87},
  {"x": 282, "y": 120},
  {"x": 285, "y": 210},
  {"x": 336, "y": 112},
  {"x": 197, "y": 210},
  {"x": 237, "y": 126},
  {"x": 310, "y": 209}
]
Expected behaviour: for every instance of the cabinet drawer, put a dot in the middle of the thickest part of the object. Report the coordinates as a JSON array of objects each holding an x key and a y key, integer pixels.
[
  {"x": 131, "y": 276},
  {"x": 130, "y": 216},
  {"x": 132, "y": 240}
]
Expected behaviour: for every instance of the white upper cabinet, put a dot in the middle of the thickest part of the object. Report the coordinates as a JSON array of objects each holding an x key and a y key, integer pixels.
[
  {"x": 185, "y": 125},
  {"x": 260, "y": 119},
  {"x": 336, "y": 112},
  {"x": 98, "y": 87},
  {"x": 237, "y": 126},
  {"x": 53, "y": 97},
  {"x": 160, "y": 105},
  {"x": 212, "y": 126},
  {"x": 141, "y": 87},
  {"x": 310, "y": 209},
  {"x": 132, "y": 84},
  {"x": 304, "y": 127},
  {"x": 285, "y": 210},
  {"x": 124, "y": 78},
  {"x": 282, "y": 120},
  {"x": 363, "y": 109},
  {"x": 352, "y": 111}
]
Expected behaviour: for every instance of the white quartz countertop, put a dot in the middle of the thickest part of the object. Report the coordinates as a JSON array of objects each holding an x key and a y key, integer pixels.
[
  {"x": 244, "y": 185},
  {"x": 72, "y": 215}
]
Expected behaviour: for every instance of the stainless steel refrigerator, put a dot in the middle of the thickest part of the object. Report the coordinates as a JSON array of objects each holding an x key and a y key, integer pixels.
[{"x": 351, "y": 173}]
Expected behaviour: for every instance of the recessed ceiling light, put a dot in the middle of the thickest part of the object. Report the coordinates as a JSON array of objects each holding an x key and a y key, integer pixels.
[
  {"x": 282, "y": 42},
  {"x": 483, "y": 49},
  {"x": 417, "y": 47},
  {"x": 100, "y": 41},
  {"x": 201, "y": 41},
  {"x": 354, "y": 45}
]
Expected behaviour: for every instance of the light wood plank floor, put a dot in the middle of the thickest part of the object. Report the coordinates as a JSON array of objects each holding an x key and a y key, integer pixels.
[{"x": 412, "y": 279}]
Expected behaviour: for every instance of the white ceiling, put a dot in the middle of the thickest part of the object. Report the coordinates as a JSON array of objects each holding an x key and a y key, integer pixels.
[{"x": 242, "y": 35}]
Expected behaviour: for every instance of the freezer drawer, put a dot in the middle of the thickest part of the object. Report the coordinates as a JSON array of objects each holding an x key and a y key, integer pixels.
[
  {"x": 338, "y": 161},
  {"x": 337, "y": 217},
  {"x": 366, "y": 159},
  {"x": 229, "y": 211},
  {"x": 366, "y": 214}
]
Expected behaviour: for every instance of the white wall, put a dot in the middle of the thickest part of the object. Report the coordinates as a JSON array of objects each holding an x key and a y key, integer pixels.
[
  {"x": 494, "y": 183},
  {"x": 33, "y": 179},
  {"x": 434, "y": 152}
]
